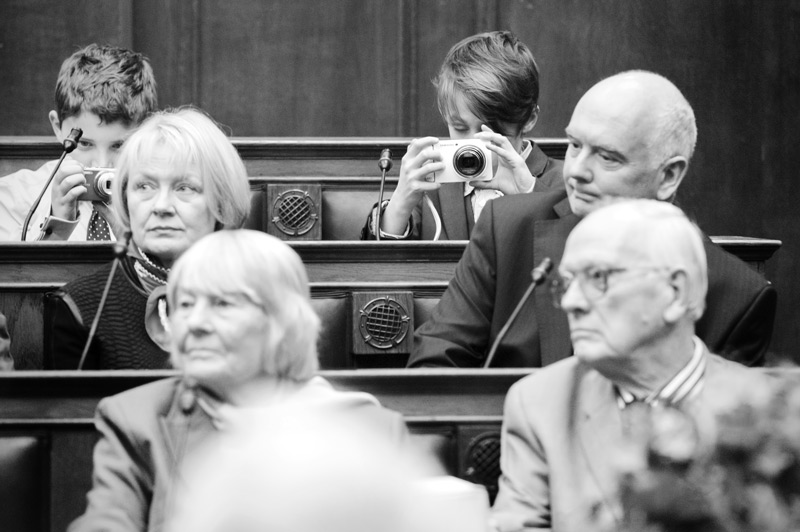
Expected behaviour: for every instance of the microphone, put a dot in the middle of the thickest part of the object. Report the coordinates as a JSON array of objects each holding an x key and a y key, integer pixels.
[
  {"x": 385, "y": 164},
  {"x": 69, "y": 144},
  {"x": 538, "y": 275},
  {"x": 120, "y": 250}
]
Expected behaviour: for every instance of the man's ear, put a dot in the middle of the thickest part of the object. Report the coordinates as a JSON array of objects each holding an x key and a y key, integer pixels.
[
  {"x": 678, "y": 306},
  {"x": 56, "y": 123},
  {"x": 671, "y": 175},
  {"x": 528, "y": 127}
]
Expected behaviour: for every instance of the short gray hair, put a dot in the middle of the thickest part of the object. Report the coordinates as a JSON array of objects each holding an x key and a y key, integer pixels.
[
  {"x": 670, "y": 239},
  {"x": 269, "y": 273}
]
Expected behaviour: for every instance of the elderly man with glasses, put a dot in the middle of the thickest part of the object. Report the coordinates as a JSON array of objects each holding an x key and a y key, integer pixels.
[
  {"x": 632, "y": 283},
  {"x": 631, "y": 135}
]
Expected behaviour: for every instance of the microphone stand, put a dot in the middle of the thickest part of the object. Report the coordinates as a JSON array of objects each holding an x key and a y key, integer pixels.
[
  {"x": 385, "y": 164},
  {"x": 538, "y": 275},
  {"x": 120, "y": 250},
  {"x": 70, "y": 143}
]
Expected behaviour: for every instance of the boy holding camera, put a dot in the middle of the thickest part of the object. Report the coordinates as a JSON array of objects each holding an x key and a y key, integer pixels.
[
  {"x": 487, "y": 90},
  {"x": 106, "y": 92}
]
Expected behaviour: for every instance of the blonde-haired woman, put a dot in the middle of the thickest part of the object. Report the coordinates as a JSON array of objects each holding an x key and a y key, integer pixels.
[{"x": 178, "y": 178}]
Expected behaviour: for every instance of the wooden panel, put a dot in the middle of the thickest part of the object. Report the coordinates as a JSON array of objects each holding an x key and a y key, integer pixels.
[
  {"x": 37, "y": 35},
  {"x": 382, "y": 322},
  {"x": 166, "y": 31},
  {"x": 311, "y": 158},
  {"x": 302, "y": 66},
  {"x": 294, "y": 212},
  {"x": 430, "y": 30}
]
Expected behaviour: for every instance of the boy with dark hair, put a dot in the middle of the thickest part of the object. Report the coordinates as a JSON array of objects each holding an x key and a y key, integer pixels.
[
  {"x": 487, "y": 89},
  {"x": 106, "y": 91}
]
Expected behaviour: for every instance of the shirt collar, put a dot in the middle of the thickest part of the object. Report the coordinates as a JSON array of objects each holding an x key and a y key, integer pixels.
[
  {"x": 526, "y": 151},
  {"x": 687, "y": 382}
]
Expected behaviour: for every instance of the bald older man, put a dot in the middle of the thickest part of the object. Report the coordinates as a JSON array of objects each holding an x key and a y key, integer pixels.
[
  {"x": 632, "y": 283},
  {"x": 631, "y": 135}
]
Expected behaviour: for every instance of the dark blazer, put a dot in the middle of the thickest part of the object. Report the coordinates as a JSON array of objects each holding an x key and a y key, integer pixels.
[
  {"x": 147, "y": 432},
  {"x": 562, "y": 434},
  {"x": 516, "y": 233},
  {"x": 456, "y": 211}
]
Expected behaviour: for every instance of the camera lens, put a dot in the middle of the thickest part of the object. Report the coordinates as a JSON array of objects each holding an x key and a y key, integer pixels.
[
  {"x": 469, "y": 161},
  {"x": 103, "y": 184}
]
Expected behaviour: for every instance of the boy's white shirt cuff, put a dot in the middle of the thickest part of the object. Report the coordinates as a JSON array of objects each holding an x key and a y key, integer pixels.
[
  {"x": 384, "y": 234},
  {"x": 55, "y": 228}
]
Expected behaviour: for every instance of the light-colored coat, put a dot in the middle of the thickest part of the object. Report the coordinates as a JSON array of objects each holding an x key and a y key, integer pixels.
[
  {"x": 148, "y": 432},
  {"x": 562, "y": 434}
]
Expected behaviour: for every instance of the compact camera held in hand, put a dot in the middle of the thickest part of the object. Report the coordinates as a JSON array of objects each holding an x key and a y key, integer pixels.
[
  {"x": 98, "y": 184},
  {"x": 464, "y": 160}
]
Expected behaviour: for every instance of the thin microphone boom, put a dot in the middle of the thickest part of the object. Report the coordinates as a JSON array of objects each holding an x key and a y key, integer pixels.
[
  {"x": 120, "y": 250},
  {"x": 385, "y": 164},
  {"x": 538, "y": 275},
  {"x": 70, "y": 143}
]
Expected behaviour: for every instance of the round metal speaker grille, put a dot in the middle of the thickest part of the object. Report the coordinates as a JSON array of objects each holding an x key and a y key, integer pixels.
[
  {"x": 383, "y": 323},
  {"x": 294, "y": 212},
  {"x": 483, "y": 460}
]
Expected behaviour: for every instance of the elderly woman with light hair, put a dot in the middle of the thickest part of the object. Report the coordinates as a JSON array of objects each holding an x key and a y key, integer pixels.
[
  {"x": 243, "y": 335},
  {"x": 178, "y": 178}
]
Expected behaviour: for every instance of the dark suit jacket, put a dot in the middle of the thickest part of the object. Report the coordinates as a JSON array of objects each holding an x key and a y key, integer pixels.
[
  {"x": 456, "y": 211},
  {"x": 562, "y": 434},
  {"x": 147, "y": 432},
  {"x": 516, "y": 233}
]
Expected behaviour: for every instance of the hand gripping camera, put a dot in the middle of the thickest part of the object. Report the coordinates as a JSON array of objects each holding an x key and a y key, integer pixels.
[
  {"x": 98, "y": 184},
  {"x": 465, "y": 160}
]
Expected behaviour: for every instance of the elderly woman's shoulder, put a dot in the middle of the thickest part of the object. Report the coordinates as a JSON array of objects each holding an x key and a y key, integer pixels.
[
  {"x": 147, "y": 401},
  {"x": 356, "y": 405}
]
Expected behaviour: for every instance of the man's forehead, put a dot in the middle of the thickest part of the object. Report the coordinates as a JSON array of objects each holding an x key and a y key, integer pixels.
[{"x": 606, "y": 117}]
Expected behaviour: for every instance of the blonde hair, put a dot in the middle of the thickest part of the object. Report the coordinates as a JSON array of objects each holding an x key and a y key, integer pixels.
[
  {"x": 269, "y": 273},
  {"x": 192, "y": 138}
]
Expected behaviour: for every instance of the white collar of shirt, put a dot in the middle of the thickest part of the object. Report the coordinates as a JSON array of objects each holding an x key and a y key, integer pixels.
[{"x": 687, "y": 382}]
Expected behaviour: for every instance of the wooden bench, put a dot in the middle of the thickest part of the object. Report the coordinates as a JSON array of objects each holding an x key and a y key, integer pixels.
[
  {"x": 47, "y": 430},
  {"x": 349, "y": 281}
]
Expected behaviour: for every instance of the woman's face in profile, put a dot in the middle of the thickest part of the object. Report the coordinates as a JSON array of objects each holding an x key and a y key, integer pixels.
[
  {"x": 168, "y": 208},
  {"x": 218, "y": 338}
]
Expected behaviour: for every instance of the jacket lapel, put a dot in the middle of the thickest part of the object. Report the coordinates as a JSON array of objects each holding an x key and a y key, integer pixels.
[
  {"x": 549, "y": 237},
  {"x": 600, "y": 435},
  {"x": 183, "y": 427}
]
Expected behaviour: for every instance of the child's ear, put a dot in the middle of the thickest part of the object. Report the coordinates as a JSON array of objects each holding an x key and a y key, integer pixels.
[
  {"x": 56, "y": 123},
  {"x": 528, "y": 127}
]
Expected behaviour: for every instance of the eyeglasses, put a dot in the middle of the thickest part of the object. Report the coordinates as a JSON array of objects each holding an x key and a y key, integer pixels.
[{"x": 593, "y": 281}]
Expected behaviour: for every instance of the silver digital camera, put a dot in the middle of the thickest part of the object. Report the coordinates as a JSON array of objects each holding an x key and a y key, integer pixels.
[
  {"x": 99, "y": 182},
  {"x": 464, "y": 160}
]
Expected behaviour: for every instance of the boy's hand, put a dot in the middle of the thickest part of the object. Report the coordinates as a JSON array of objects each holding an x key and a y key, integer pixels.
[
  {"x": 512, "y": 175},
  {"x": 68, "y": 185},
  {"x": 420, "y": 160}
]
